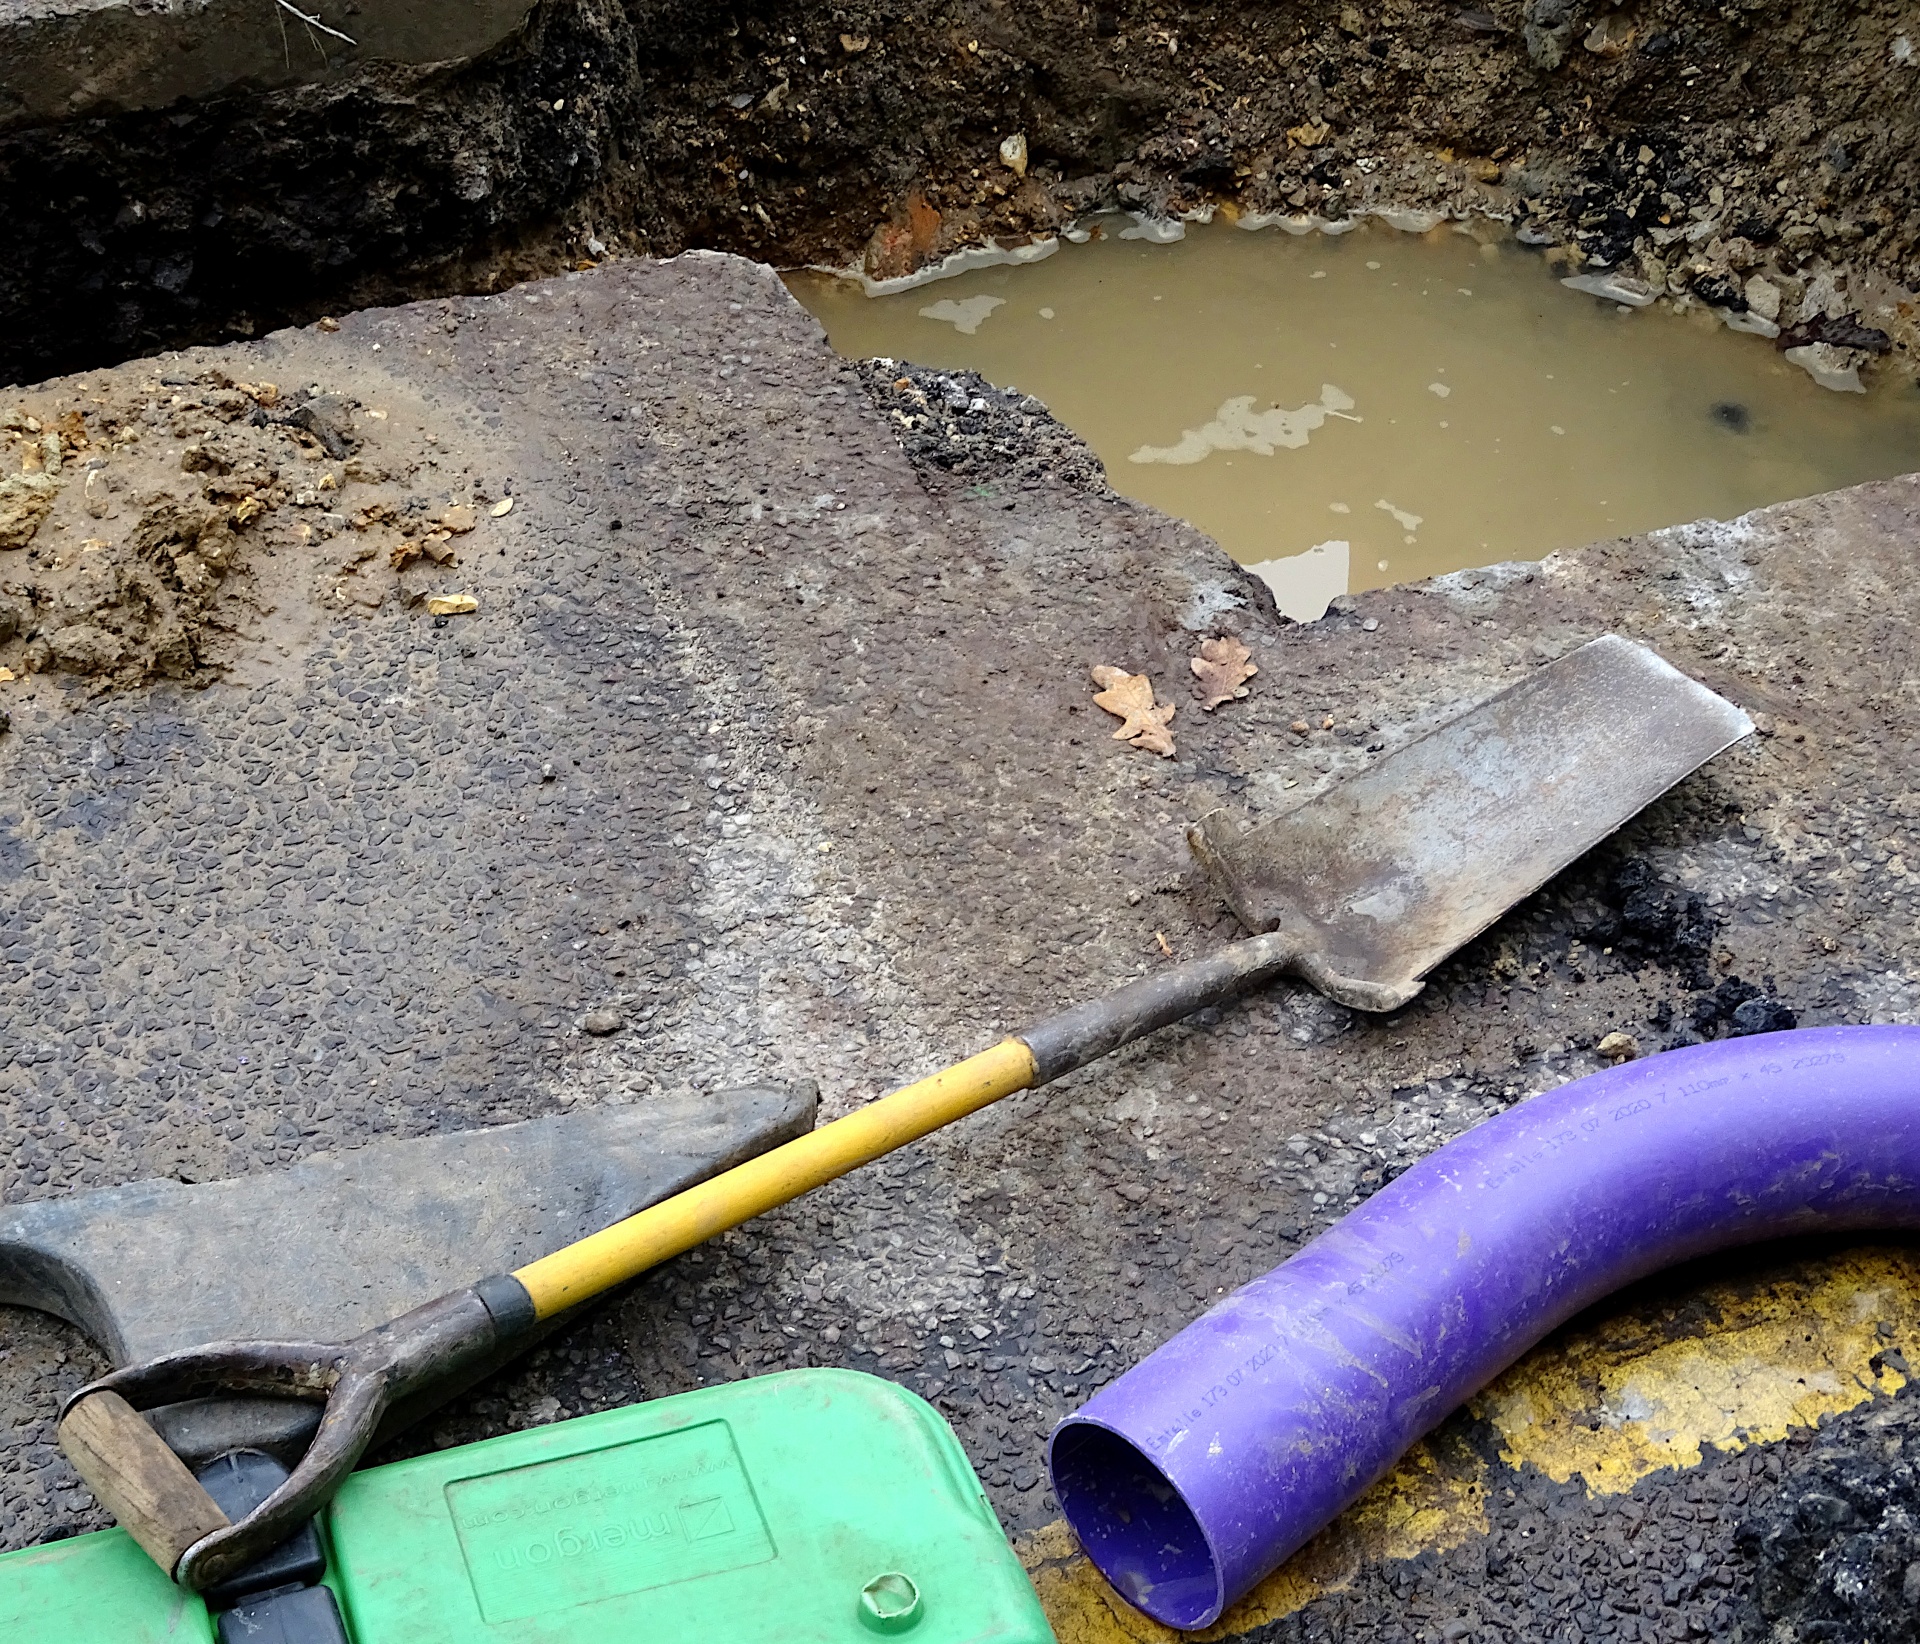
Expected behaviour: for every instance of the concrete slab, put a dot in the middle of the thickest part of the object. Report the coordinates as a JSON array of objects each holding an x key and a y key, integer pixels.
[{"x": 819, "y": 726}]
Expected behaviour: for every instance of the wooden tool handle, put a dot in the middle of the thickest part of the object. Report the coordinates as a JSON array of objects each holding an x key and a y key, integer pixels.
[{"x": 137, "y": 1478}]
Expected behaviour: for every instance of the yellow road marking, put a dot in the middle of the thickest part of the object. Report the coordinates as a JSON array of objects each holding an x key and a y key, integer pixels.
[{"x": 1630, "y": 1394}]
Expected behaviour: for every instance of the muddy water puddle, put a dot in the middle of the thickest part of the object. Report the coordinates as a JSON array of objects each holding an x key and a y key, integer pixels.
[{"x": 1347, "y": 411}]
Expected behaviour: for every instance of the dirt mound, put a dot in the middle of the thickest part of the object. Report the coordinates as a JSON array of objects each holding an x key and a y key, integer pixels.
[{"x": 151, "y": 527}]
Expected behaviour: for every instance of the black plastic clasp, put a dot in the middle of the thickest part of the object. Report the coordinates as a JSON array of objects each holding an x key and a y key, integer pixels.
[
  {"x": 276, "y": 1599},
  {"x": 300, "y": 1615},
  {"x": 239, "y": 1481}
]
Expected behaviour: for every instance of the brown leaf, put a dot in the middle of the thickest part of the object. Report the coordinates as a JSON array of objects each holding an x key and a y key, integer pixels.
[
  {"x": 1129, "y": 697},
  {"x": 1221, "y": 668}
]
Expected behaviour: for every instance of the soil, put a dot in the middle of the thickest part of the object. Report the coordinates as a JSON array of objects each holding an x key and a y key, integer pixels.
[
  {"x": 772, "y": 734},
  {"x": 179, "y": 525},
  {"x": 1691, "y": 149}
]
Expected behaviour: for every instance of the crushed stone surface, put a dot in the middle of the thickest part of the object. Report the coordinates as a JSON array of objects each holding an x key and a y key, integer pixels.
[{"x": 772, "y": 734}]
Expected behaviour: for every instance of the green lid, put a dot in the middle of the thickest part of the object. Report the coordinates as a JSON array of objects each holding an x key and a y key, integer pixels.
[
  {"x": 97, "y": 1589},
  {"x": 803, "y": 1508},
  {"x": 814, "y": 1507}
]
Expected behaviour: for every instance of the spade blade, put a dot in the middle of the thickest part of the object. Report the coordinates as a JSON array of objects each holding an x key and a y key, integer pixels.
[{"x": 1385, "y": 874}]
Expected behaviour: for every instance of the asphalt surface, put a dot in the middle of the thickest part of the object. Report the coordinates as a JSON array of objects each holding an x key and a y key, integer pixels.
[{"x": 773, "y": 732}]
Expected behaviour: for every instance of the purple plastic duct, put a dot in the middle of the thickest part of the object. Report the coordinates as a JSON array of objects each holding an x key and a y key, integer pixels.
[{"x": 1205, "y": 1466}]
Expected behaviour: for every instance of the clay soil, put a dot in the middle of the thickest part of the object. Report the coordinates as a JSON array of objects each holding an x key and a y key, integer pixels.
[{"x": 180, "y": 524}]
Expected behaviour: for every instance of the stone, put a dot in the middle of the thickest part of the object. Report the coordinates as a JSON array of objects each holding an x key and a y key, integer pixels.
[
  {"x": 1612, "y": 36},
  {"x": 1614, "y": 288},
  {"x": 1763, "y": 297},
  {"x": 1548, "y": 31},
  {"x": 85, "y": 648},
  {"x": 25, "y": 500},
  {"x": 1761, "y": 1016},
  {"x": 602, "y": 1022},
  {"x": 1013, "y": 154},
  {"x": 1830, "y": 367},
  {"x": 1619, "y": 1047}
]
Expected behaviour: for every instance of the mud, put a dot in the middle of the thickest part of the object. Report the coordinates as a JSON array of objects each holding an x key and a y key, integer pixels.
[
  {"x": 1694, "y": 151},
  {"x": 183, "y": 526},
  {"x": 1345, "y": 411}
]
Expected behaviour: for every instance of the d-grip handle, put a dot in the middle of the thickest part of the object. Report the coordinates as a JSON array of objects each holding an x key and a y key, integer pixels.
[
  {"x": 133, "y": 1474},
  {"x": 163, "y": 1506}
]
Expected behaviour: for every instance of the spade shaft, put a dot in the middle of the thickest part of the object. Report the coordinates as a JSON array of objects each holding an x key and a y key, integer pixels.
[{"x": 1361, "y": 891}]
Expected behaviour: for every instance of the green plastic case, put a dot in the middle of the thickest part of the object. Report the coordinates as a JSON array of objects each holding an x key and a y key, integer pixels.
[
  {"x": 96, "y": 1589},
  {"x": 810, "y": 1507}
]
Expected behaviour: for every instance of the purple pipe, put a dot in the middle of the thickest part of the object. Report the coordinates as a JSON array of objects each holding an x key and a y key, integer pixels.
[{"x": 1202, "y": 1468}]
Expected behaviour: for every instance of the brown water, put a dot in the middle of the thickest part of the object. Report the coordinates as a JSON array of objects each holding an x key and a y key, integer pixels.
[{"x": 1353, "y": 410}]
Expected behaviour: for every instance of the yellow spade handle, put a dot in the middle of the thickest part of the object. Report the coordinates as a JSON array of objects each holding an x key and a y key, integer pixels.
[{"x": 602, "y": 1260}]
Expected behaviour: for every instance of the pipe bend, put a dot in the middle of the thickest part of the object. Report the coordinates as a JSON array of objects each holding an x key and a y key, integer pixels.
[{"x": 1205, "y": 1466}]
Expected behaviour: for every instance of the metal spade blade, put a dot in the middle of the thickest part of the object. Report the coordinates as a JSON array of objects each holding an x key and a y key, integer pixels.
[{"x": 1382, "y": 876}]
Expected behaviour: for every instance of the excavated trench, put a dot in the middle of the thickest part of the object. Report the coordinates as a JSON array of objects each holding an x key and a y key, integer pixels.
[
  {"x": 1689, "y": 147},
  {"x": 1748, "y": 158}
]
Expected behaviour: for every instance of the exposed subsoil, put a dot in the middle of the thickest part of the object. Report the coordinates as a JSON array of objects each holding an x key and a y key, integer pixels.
[
  {"x": 168, "y": 525},
  {"x": 1693, "y": 149},
  {"x": 772, "y": 731}
]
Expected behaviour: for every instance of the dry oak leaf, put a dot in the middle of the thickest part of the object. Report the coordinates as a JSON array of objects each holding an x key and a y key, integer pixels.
[
  {"x": 1129, "y": 697},
  {"x": 1222, "y": 668}
]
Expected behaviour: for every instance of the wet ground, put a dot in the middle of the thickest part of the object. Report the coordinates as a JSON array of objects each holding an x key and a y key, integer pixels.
[
  {"x": 1352, "y": 410},
  {"x": 772, "y": 728}
]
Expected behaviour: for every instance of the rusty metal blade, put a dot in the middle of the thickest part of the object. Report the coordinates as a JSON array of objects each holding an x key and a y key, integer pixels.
[{"x": 1385, "y": 874}]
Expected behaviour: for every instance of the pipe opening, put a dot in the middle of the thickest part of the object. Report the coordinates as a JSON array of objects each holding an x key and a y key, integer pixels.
[{"x": 1135, "y": 1526}]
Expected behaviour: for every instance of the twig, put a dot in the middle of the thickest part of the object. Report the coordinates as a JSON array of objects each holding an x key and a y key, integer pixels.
[{"x": 314, "y": 22}]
